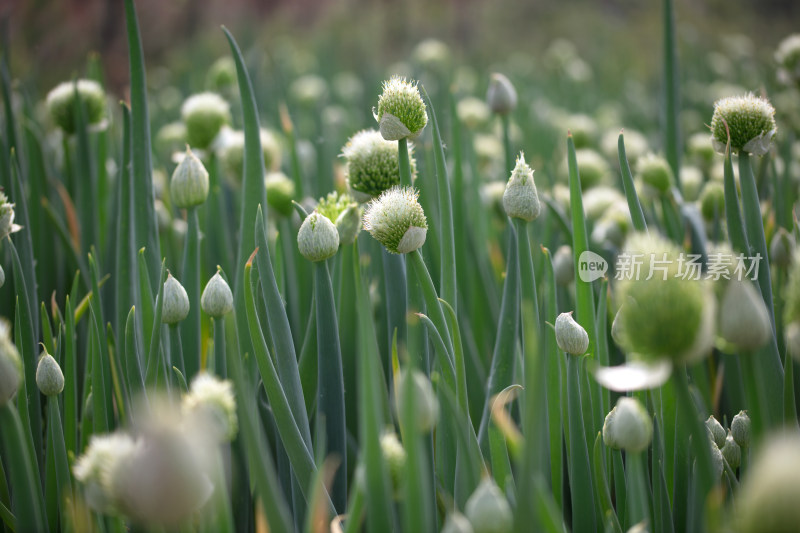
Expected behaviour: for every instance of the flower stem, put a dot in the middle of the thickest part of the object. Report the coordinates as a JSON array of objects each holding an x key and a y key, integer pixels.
[{"x": 190, "y": 327}]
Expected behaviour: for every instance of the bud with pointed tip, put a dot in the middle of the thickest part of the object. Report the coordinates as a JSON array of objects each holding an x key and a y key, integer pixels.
[
  {"x": 10, "y": 365},
  {"x": 570, "y": 336},
  {"x": 61, "y": 103},
  {"x": 781, "y": 248},
  {"x": 204, "y": 115},
  {"x": 49, "y": 377},
  {"x": 740, "y": 429},
  {"x": 715, "y": 430},
  {"x": 520, "y": 199},
  {"x": 396, "y": 220},
  {"x": 488, "y": 510},
  {"x": 732, "y": 452},
  {"x": 217, "y": 299},
  {"x": 189, "y": 184},
  {"x": 318, "y": 238},
  {"x": 717, "y": 461},
  {"x": 176, "y": 302},
  {"x": 628, "y": 426},
  {"x": 425, "y": 401},
  {"x": 401, "y": 112},
  {"x": 750, "y": 120},
  {"x": 744, "y": 319},
  {"x": 373, "y": 164},
  {"x": 501, "y": 95}
]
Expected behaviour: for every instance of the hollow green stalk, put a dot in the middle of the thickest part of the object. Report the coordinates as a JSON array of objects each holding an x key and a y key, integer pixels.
[
  {"x": 28, "y": 505},
  {"x": 330, "y": 389},
  {"x": 190, "y": 327},
  {"x": 583, "y": 515}
]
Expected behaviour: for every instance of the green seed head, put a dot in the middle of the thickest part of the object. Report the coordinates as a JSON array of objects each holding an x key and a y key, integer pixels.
[
  {"x": 61, "y": 103},
  {"x": 211, "y": 402},
  {"x": 781, "y": 248},
  {"x": 488, "y": 510},
  {"x": 10, "y": 365},
  {"x": 189, "y": 184},
  {"x": 222, "y": 74},
  {"x": 740, "y": 429},
  {"x": 6, "y": 216},
  {"x": 49, "y": 377},
  {"x": 570, "y": 336},
  {"x": 308, "y": 90},
  {"x": 170, "y": 139},
  {"x": 715, "y": 431},
  {"x": 432, "y": 54},
  {"x": 473, "y": 112},
  {"x": 520, "y": 199},
  {"x": 231, "y": 148},
  {"x": 667, "y": 316},
  {"x": 691, "y": 183},
  {"x": 593, "y": 169},
  {"x": 787, "y": 56},
  {"x": 280, "y": 192},
  {"x": 318, "y": 238},
  {"x": 584, "y": 130},
  {"x": 345, "y": 213},
  {"x": 769, "y": 492},
  {"x": 700, "y": 149},
  {"x": 751, "y": 121},
  {"x": 176, "y": 302},
  {"x": 401, "y": 112},
  {"x": 204, "y": 115},
  {"x": 372, "y": 164},
  {"x": 743, "y": 319},
  {"x": 628, "y": 426},
  {"x": 712, "y": 201},
  {"x": 655, "y": 172},
  {"x": 731, "y": 452},
  {"x": 217, "y": 299},
  {"x": 395, "y": 456},
  {"x": 396, "y": 220},
  {"x": 425, "y": 402},
  {"x": 501, "y": 95},
  {"x": 792, "y": 336}
]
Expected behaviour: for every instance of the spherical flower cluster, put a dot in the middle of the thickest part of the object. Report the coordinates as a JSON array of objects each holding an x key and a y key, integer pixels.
[
  {"x": 787, "y": 55},
  {"x": 10, "y": 365},
  {"x": 211, "y": 402},
  {"x": 401, "y": 112},
  {"x": 204, "y": 115},
  {"x": 655, "y": 172},
  {"x": 520, "y": 199},
  {"x": 7, "y": 225},
  {"x": 61, "y": 103},
  {"x": 488, "y": 510},
  {"x": 280, "y": 192},
  {"x": 343, "y": 211},
  {"x": 750, "y": 120},
  {"x": 372, "y": 164},
  {"x": 395, "y": 456},
  {"x": 318, "y": 238},
  {"x": 667, "y": 316},
  {"x": 231, "y": 150},
  {"x": 396, "y": 220}
]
